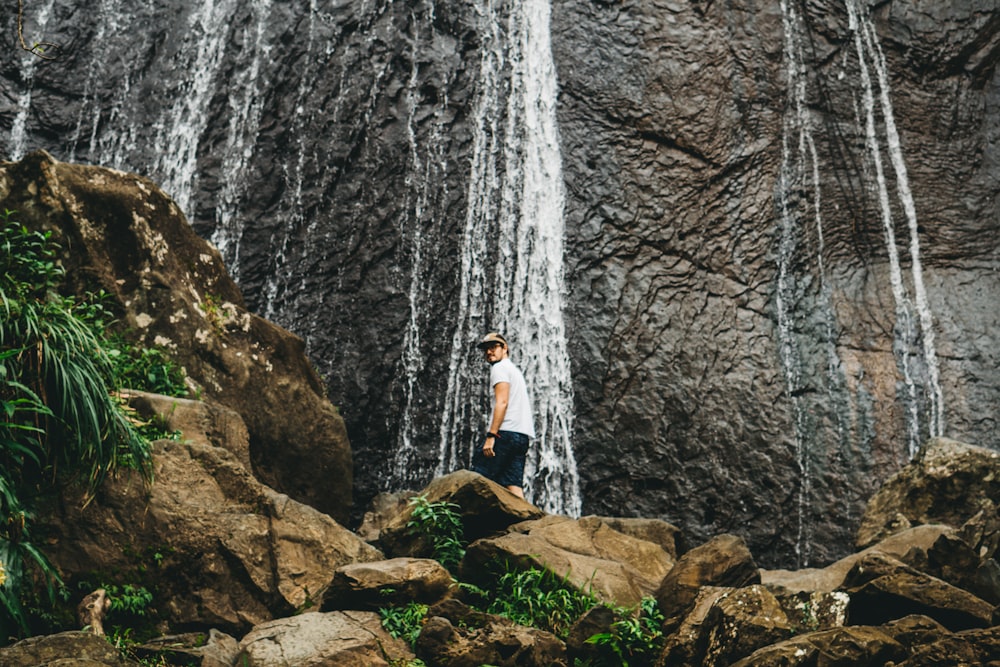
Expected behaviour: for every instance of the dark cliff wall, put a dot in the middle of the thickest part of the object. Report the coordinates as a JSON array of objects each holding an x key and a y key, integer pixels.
[
  {"x": 748, "y": 353},
  {"x": 680, "y": 122}
]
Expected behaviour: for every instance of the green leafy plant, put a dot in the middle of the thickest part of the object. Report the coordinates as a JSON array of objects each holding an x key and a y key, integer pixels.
[
  {"x": 441, "y": 523},
  {"x": 404, "y": 622},
  {"x": 59, "y": 415},
  {"x": 539, "y": 598},
  {"x": 129, "y": 599},
  {"x": 145, "y": 369},
  {"x": 635, "y": 639}
]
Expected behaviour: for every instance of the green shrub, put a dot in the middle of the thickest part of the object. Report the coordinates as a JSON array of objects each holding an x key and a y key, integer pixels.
[
  {"x": 145, "y": 369},
  {"x": 404, "y": 622},
  {"x": 635, "y": 639},
  {"x": 538, "y": 598},
  {"x": 440, "y": 523},
  {"x": 59, "y": 415}
]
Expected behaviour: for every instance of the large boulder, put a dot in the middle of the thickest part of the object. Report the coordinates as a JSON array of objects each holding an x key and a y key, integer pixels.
[
  {"x": 341, "y": 638},
  {"x": 120, "y": 233},
  {"x": 970, "y": 647},
  {"x": 854, "y": 646},
  {"x": 200, "y": 422},
  {"x": 383, "y": 583},
  {"x": 724, "y": 625},
  {"x": 948, "y": 482},
  {"x": 216, "y": 547},
  {"x": 66, "y": 649},
  {"x": 615, "y": 567},
  {"x": 455, "y": 636},
  {"x": 723, "y": 561},
  {"x": 831, "y": 577},
  {"x": 485, "y": 508},
  {"x": 884, "y": 589}
]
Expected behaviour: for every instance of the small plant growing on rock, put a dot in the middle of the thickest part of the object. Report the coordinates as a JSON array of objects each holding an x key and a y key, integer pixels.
[
  {"x": 404, "y": 622},
  {"x": 441, "y": 524},
  {"x": 538, "y": 598},
  {"x": 59, "y": 416},
  {"x": 635, "y": 639}
]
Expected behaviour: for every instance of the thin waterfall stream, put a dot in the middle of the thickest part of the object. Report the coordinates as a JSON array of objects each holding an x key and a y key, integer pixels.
[
  {"x": 513, "y": 252},
  {"x": 908, "y": 331}
]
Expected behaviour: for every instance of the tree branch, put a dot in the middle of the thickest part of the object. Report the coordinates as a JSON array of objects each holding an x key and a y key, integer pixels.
[{"x": 38, "y": 48}]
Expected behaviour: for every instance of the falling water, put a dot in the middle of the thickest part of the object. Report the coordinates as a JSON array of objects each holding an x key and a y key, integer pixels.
[
  {"x": 245, "y": 106},
  {"x": 868, "y": 50},
  {"x": 796, "y": 123},
  {"x": 512, "y": 276},
  {"x": 427, "y": 172},
  {"x": 108, "y": 13},
  {"x": 180, "y": 132},
  {"x": 18, "y": 130}
]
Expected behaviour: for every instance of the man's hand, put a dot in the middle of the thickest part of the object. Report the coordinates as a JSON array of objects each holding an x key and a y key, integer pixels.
[{"x": 488, "y": 447}]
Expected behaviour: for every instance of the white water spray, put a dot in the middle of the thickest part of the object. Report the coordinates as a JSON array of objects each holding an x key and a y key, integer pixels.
[
  {"x": 245, "y": 106},
  {"x": 512, "y": 275},
  {"x": 869, "y": 51},
  {"x": 181, "y": 129},
  {"x": 18, "y": 129},
  {"x": 797, "y": 129}
]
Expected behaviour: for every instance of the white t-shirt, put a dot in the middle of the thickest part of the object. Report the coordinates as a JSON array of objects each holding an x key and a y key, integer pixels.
[{"x": 518, "y": 418}]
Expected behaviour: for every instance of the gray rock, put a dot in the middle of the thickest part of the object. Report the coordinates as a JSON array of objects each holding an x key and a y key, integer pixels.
[
  {"x": 66, "y": 649},
  {"x": 734, "y": 368},
  {"x": 949, "y": 482},
  {"x": 614, "y": 567},
  {"x": 347, "y": 638}
]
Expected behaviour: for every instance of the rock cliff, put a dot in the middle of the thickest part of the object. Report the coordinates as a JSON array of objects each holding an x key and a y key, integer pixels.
[{"x": 780, "y": 223}]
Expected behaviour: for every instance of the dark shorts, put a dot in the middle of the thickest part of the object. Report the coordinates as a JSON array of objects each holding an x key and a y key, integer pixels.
[{"x": 507, "y": 467}]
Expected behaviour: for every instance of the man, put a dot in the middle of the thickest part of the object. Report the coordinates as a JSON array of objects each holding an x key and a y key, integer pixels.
[{"x": 511, "y": 426}]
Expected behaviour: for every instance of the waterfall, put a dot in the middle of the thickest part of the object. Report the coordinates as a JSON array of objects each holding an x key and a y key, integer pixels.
[
  {"x": 512, "y": 259},
  {"x": 799, "y": 163},
  {"x": 29, "y": 61},
  {"x": 869, "y": 50},
  {"x": 179, "y": 133},
  {"x": 427, "y": 172},
  {"x": 245, "y": 107}
]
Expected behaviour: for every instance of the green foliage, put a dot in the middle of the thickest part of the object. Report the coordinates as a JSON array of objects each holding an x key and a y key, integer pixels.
[
  {"x": 441, "y": 523},
  {"x": 635, "y": 639},
  {"x": 145, "y": 369},
  {"x": 121, "y": 639},
  {"x": 415, "y": 662},
  {"x": 538, "y": 598},
  {"x": 59, "y": 416},
  {"x": 404, "y": 622},
  {"x": 129, "y": 599}
]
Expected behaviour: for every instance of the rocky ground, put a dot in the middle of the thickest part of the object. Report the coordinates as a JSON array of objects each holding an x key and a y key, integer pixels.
[
  {"x": 271, "y": 583},
  {"x": 253, "y": 568}
]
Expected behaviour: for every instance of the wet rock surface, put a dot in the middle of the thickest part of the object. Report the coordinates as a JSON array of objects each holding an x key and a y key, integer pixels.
[{"x": 738, "y": 352}]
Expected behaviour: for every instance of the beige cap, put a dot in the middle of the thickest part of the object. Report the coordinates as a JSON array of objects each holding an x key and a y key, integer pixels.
[{"x": 489, "y": 339}]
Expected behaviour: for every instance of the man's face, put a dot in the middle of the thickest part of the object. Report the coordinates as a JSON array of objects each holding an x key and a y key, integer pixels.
[{"x": 494, "y": 352}]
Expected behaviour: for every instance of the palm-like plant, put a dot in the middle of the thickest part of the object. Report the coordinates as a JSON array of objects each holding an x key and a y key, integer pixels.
[{"x": 59, "y": 416}]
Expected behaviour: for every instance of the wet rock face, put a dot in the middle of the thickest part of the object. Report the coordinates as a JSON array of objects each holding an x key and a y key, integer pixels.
[
  {"x": 748, "y": 354},
  {"x": 739, "y": 357}
]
